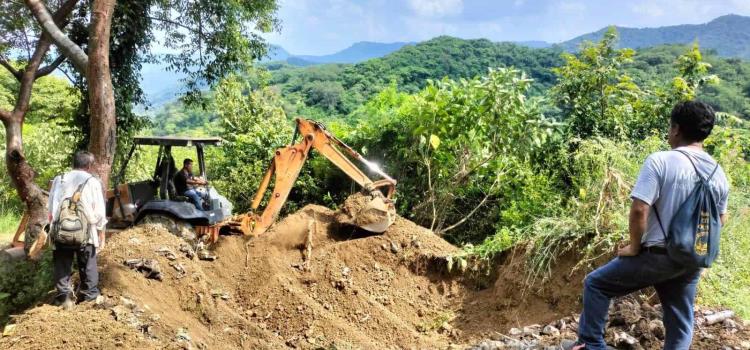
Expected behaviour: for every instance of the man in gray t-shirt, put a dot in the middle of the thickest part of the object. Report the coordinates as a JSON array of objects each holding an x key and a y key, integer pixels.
[
  {"x": 666, "y": 180},
  {"x": 664, "y": 183}
]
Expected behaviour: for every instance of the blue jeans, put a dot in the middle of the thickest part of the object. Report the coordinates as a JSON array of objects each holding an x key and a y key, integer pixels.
[
  {"x": 675, "y": 285},
  {"x": 195, "y": 197}
]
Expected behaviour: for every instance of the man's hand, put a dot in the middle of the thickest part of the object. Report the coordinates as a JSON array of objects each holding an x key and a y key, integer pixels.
[
  {"x": 102, "y": 239},
  {"x": 629, "y": 250}
]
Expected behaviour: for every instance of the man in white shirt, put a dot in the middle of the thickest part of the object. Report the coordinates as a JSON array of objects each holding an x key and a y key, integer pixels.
[{"x": 92, "y": 203}]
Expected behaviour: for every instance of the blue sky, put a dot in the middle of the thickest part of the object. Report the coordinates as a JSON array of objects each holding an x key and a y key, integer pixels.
[{"x": 325, "y": 26}]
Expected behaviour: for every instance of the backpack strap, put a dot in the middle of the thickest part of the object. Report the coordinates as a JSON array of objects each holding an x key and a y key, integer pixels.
[
  {"x": 707, "y": 179},
  {"x": 77, "y": 194}
]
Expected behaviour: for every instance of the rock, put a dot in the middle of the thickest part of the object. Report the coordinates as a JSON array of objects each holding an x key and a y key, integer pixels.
[
  {"x": 167, "y": 253},
  {"x": 656, "y": 327},
  {"x": 515, "y": 332},
  {"x": 182, "y": 335},
  {"x": 719, "y": 317},
  {"x": 179, "y": 268},
  {"x": 149, "y": 267},
  {"x": 624, "y": 338},
  {"x": 489, "y": 345},
  {"x": 745, "y": 345},
  {"x": 188, "y": 250},
  {"x": 345, "y": 271},
  {"x": 9, "y": 330},
  {"x": 127, "y": 303},
  {"x": 416, "y": 243},
  {"x": 532, "y": 330},
  {"x": 550, "y": 330},
  {"x": 220, "y": 294},
  {"x": 395, "y": 248},
  {"x": 730, "y": 324}
]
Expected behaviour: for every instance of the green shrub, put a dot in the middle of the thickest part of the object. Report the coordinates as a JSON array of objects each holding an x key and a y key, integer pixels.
[{"x": 23, "y": 283}]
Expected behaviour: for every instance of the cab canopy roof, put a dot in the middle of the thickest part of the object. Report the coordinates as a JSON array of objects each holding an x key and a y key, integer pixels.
[{"x": 185, "y": 141}]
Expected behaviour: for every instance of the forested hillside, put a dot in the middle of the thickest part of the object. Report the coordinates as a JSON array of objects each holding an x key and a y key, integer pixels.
[
  {"x": 334, "y": 91},
  {"x": 728, "y": 36}
]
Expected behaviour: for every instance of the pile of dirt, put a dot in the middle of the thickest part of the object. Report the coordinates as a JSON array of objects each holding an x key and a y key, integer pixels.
[
  {"x": 634, "y": 324},
  {"x": 50, "y": 327},
  {"x": 309, "y": 282}
]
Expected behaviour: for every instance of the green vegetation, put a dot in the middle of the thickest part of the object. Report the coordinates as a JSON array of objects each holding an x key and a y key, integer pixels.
[
  {"x": 8, "y": 226},
  {"x": 49, "y": 122},
  {"x": 494, "y": 145},
  {"x": 334, "y": 92},
  {"x": 494, "y": 159}
]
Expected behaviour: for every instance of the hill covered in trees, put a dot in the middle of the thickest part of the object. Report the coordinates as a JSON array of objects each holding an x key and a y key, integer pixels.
[
  {"x": 728, "y": 35},
  {"x": 335, "y": 91}
]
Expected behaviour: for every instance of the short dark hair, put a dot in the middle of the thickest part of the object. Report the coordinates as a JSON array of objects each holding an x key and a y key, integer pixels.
[
  {"x": 187, "y": 161},
  {"x": 695, "y": 119},
  {"x": 83, "y": 160}
]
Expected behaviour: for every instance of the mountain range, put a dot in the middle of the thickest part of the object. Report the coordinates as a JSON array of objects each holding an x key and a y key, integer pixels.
[{"x": 728, "y": 36}]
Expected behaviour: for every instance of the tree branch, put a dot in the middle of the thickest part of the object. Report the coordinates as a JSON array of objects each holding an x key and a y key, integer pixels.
[
  {"x": 472, "y": 212},
  {"x": 9, "y": 67},
  {"x": 72, "y": 51},
  {"x": 4, "y": 115},
  {"x": 178, "y": 24},
  {"x": 51, "y": 67}
]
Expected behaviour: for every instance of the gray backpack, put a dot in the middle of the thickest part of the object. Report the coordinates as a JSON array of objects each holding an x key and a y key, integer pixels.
[
  {"x": 71, "y": 229},
  {"x": 695, "y": 230}
]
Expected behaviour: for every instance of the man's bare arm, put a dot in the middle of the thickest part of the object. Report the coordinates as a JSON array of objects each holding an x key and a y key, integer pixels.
[
  {"x": 198, "y": 182},
  {"x": 638, "y": 222},
  {"x": 723, "y": 218}
]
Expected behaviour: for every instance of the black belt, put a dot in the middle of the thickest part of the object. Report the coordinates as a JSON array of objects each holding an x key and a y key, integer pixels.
[{"x": 654, "y": 250}]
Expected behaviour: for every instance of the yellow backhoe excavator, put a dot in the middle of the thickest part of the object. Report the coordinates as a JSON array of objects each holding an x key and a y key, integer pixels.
[
  {"x": 287, "y": 162},
  {"x": 155, "y": 201}
]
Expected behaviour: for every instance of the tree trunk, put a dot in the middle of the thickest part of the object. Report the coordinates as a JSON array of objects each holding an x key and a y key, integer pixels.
[
  {"x": 102, "y": 142},
  {"x": 22, "y": 177}
]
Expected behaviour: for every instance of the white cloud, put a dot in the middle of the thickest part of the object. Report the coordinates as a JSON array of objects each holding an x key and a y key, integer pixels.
[
  {"x": 436, "y": 8},
  {"x": 574, "y": 7},
  {"x": 648, "y": 9}
]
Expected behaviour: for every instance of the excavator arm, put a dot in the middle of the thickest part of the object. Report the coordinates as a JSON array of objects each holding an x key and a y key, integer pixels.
[{"x": 287, "y": 164}]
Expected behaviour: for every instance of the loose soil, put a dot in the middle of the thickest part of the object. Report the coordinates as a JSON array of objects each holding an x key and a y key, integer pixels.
[{"x": 310, "y": 282}]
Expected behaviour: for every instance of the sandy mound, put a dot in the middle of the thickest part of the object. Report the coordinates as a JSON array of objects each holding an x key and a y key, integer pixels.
[
  {"x": 49, "y": 327},
  {"x": 310, "y": 282}
]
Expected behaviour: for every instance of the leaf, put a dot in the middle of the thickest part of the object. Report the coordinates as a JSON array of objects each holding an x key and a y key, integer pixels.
[{"x": 434, "y": 141}]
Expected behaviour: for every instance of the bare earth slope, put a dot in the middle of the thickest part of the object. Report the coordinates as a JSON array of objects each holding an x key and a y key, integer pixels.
[{"x": 310, "y": 282}]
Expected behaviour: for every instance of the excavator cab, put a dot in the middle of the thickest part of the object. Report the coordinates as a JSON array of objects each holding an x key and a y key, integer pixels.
[{"x": 155, "y": 199}]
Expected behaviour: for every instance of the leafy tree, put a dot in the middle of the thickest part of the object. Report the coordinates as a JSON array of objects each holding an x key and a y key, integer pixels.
[
  {"x": 253, "y": 126},
  {"x": 221, "y": 31},
  {"x": 32, "y": 54}
]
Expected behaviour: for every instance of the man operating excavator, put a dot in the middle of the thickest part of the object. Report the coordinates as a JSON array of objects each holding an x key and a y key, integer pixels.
[{"x": 185, "y": 182}]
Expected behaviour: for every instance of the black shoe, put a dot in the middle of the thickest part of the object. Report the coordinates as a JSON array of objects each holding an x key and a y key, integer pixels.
[
  {"x": 66, "y": 302},
  {"x": 86, "y": 299}
]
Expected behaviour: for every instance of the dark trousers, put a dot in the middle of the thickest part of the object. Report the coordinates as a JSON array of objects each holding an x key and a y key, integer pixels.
[
  {"x": 675, "y": 285},
  {"x": 62, "y": 259}
]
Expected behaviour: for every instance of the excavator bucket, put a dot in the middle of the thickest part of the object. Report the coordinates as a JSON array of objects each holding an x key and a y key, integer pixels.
[{"x": 369, "y": 210}]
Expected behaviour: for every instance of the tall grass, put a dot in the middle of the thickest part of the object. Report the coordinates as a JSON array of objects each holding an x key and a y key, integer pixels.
[
  {"x": 8, "y": 226},
  {"x": 727, "y": 283}
]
